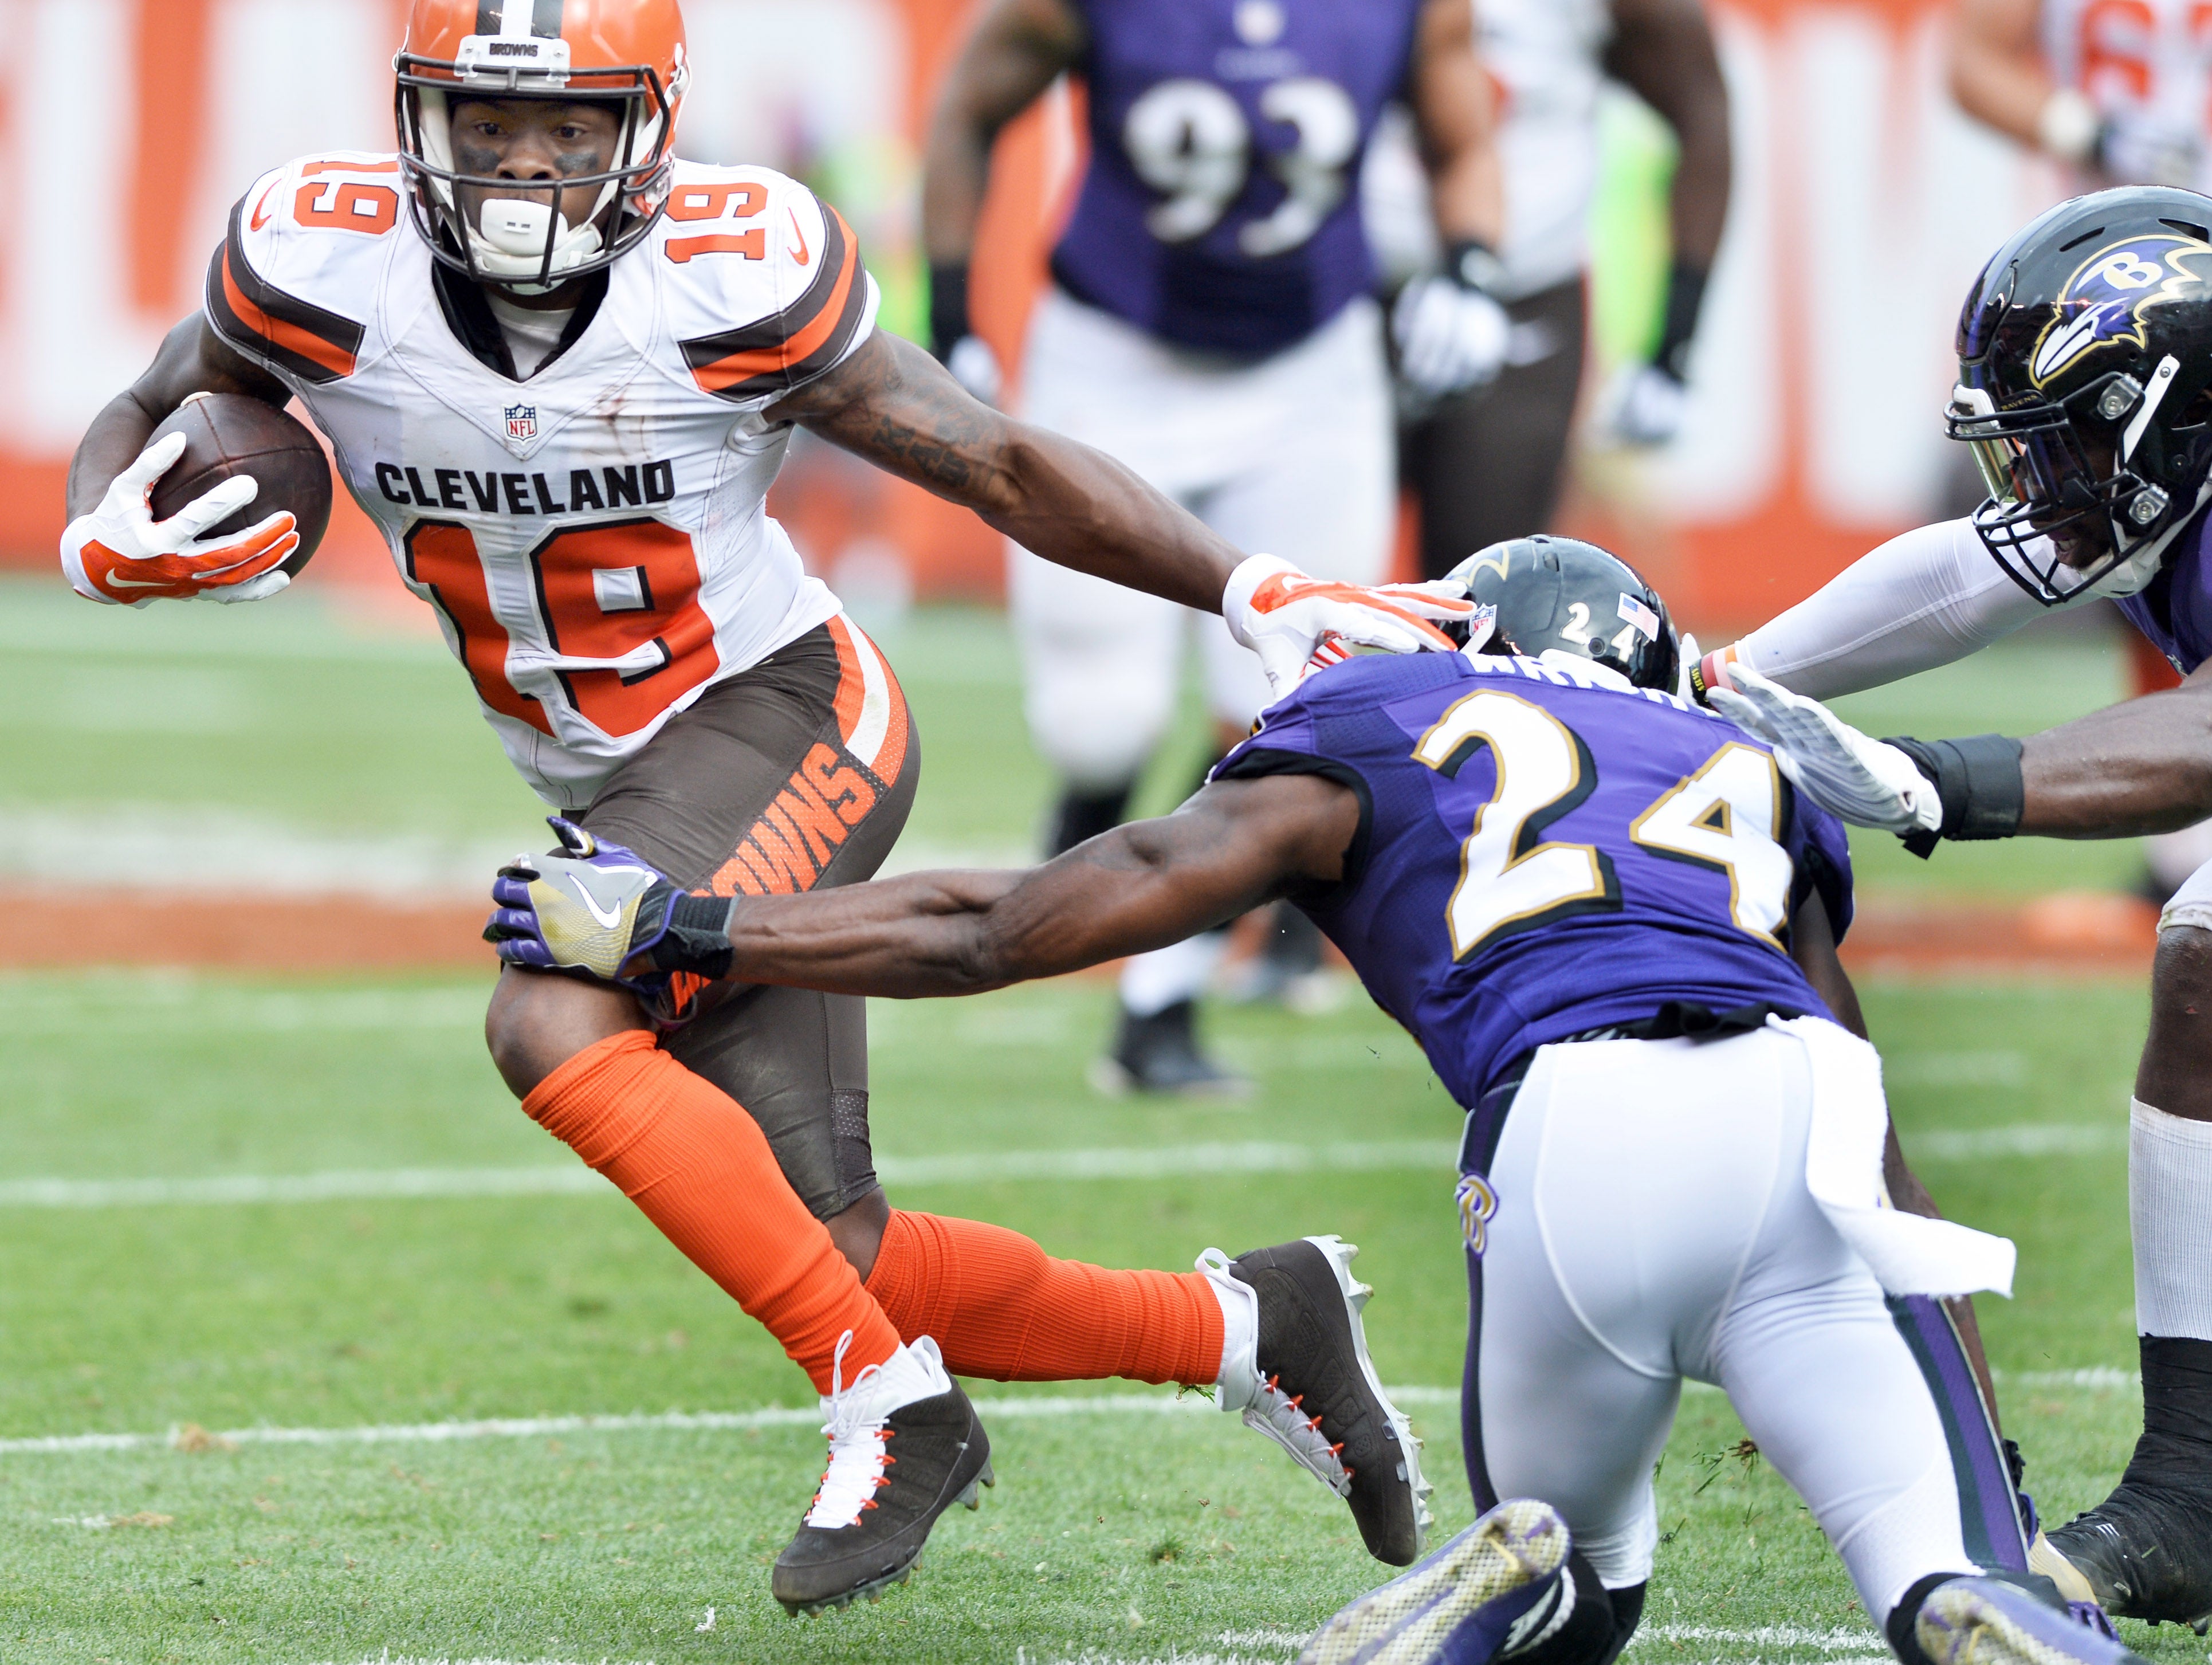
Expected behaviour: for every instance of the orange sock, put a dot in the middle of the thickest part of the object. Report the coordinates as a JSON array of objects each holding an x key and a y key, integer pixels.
[
  {"x": 1000, "y": 1306},
  {"x": 686, "y": 1153}
]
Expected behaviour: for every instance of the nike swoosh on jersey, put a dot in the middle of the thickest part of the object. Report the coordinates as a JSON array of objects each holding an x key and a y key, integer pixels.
[
  {"x": 802, "y": 254},
  {"x": 261, "y": 209}
]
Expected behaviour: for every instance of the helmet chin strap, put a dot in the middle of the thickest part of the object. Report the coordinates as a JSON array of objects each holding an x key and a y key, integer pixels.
[{"x": 2143, "y": 563}]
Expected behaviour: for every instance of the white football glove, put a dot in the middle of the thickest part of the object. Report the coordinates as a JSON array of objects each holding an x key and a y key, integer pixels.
[
  {"x": 1285, "y": 616},
  {"x": 975, "y": 368},
  {"x": 121, "y": 553},
  {"x": 1450, "y": 337},
  {"x": 1643, "y": 406},
  {"x": 1860, "y": 780}
]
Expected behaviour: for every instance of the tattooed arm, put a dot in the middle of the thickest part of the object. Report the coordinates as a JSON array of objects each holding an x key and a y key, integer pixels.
[{"x": 893, "y": 405}]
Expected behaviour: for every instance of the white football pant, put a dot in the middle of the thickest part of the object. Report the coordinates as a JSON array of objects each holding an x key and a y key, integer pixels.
[
  {"x": 1294, "y": 456},
  {"x": 1652, "y": 1224}
]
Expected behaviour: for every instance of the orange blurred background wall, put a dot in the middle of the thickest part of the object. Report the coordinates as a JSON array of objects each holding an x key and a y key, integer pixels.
[{"x": 1863, "y": 205}]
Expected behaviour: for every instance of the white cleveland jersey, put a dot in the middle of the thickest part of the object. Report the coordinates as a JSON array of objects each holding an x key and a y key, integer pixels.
[
  {"x": 2143, "y": 64},
  {"x": 1544, "y": 57},
  {"x": 1543, "y": 60},
  {"x": 593, "y": 539}
]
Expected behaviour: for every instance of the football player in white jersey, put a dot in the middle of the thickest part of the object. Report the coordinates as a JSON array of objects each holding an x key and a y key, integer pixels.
[
  {"x": 1488, "y": 464},
  {"x": 561, "y": 390},
  {"x": 2117, "y": 93}
]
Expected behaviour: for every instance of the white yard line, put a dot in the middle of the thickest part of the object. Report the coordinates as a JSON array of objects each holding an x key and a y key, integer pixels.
[
  {"x": 546, "y": 1180},
  {"x": 997, "y": 1407},
  {"x": 2055, "y": 1139},
  {"x": 1159, "y": 1162}
]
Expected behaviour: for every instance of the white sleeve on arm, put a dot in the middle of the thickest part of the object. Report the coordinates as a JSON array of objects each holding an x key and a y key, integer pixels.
[{"x": 1924, "y": 599}]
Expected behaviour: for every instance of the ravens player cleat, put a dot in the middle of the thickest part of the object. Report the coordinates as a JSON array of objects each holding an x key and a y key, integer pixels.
[
  {"x": 1294, "y": 1364},
  {"x": 1984, "y": 1621},
  {"x": 905, "y": 1445},
  {"x": 2145, "y": 1552},
  {"x": 2142, "y": 1554},
  {"x": 1498, "y": 1589}
]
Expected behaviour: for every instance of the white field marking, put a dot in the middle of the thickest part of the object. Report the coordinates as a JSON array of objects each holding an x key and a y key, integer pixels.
[
  {"x": 235, "y": 854},
  {"x": 1008, "y": 1407},
  {"x": 477, "y": 1659},
  {"x": 1159, "y": 1162},
  {"x": 1092, "y": 1656},
  {"x": 181, "y": 1002},
  {"x": 1841, "y": 1638},
  {"x": 2054, "y": 1139},
  {"x": 545, "y": 1180},
  {"x": 1957, "y": 1069}
]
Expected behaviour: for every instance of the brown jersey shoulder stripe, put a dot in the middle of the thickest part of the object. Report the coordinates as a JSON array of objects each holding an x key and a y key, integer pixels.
[
  {"x": 797, "y": 345},
  {"x": 257, "y": 318}
]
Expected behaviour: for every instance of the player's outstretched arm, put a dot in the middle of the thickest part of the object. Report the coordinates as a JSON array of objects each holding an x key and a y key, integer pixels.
[
  {"x": 1925, "y": 598},
  {"x": 2141, "y": 767},
  {"x": 893, "y": 405},
  {"x": 1144, "y": 885}
]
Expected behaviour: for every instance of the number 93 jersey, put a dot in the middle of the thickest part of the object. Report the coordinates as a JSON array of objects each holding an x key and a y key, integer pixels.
[
  {"x": 1540, "y": 855},
  {"x": 1221, "y": 210},
  {"x": 593, "y": 539}
]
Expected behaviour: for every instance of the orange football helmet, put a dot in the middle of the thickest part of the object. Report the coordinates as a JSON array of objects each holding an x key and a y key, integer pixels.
[{"x": 625, "y": 51}]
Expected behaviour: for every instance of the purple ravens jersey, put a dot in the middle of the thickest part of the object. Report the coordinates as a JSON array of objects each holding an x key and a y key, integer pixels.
[
  {"x": 1541, "y": 855},
  {"x": 1221, "y": 209},
  {"x": 2174, "y": 610}
]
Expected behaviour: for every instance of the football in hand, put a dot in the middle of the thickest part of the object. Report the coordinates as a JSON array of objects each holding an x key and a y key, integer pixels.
[{"x": 227, "y": 434}]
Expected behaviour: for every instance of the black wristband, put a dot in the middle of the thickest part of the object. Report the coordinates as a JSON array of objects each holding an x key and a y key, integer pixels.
[
  {"x": 1686, "y": 294},
  {"x": 1474, "y": 264},
  {"x": 698, "y": 937},
  {"x": 948, "y": 306},
  {"x": 1978, "y": 782}
]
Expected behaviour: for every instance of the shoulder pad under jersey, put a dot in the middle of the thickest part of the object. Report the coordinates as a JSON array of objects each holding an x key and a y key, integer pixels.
[
  {"x": 763, "y": 280},
  {"x": 297, "y": 273}
]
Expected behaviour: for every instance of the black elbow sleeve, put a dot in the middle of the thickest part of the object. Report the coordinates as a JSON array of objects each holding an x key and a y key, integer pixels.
[{"x": 1977, "y": 780}]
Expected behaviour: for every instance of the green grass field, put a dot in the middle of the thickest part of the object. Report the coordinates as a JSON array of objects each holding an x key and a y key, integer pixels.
[{"x": 256, "y": 1233}]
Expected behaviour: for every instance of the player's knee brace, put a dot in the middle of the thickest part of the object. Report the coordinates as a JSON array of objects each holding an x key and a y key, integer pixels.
[{"x": 1597, "y": 1627}]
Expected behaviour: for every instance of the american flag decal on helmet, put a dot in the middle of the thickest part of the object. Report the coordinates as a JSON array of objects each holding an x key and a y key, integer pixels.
[{"x": 516, "y": 19}]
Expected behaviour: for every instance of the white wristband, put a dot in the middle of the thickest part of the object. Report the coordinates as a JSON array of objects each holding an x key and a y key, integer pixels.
[{"x": 2067, "y": 126}]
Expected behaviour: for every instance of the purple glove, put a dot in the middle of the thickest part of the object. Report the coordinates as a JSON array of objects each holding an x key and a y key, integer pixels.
[{"x": 602, "y": 908}]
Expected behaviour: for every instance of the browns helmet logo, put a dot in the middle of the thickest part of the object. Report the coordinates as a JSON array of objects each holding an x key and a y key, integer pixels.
[{"x": 2105, "y": 300}]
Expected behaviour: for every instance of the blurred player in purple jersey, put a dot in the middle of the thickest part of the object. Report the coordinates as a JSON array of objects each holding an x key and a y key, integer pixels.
[
  {"x": 2085, "y": 396},
  {"x": 1210, "y": 324},
  {"x": 1610, "y": 923}
]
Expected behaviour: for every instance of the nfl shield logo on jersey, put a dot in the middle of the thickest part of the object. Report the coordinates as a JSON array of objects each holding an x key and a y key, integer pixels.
[{"x": 521, "y": 422}]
